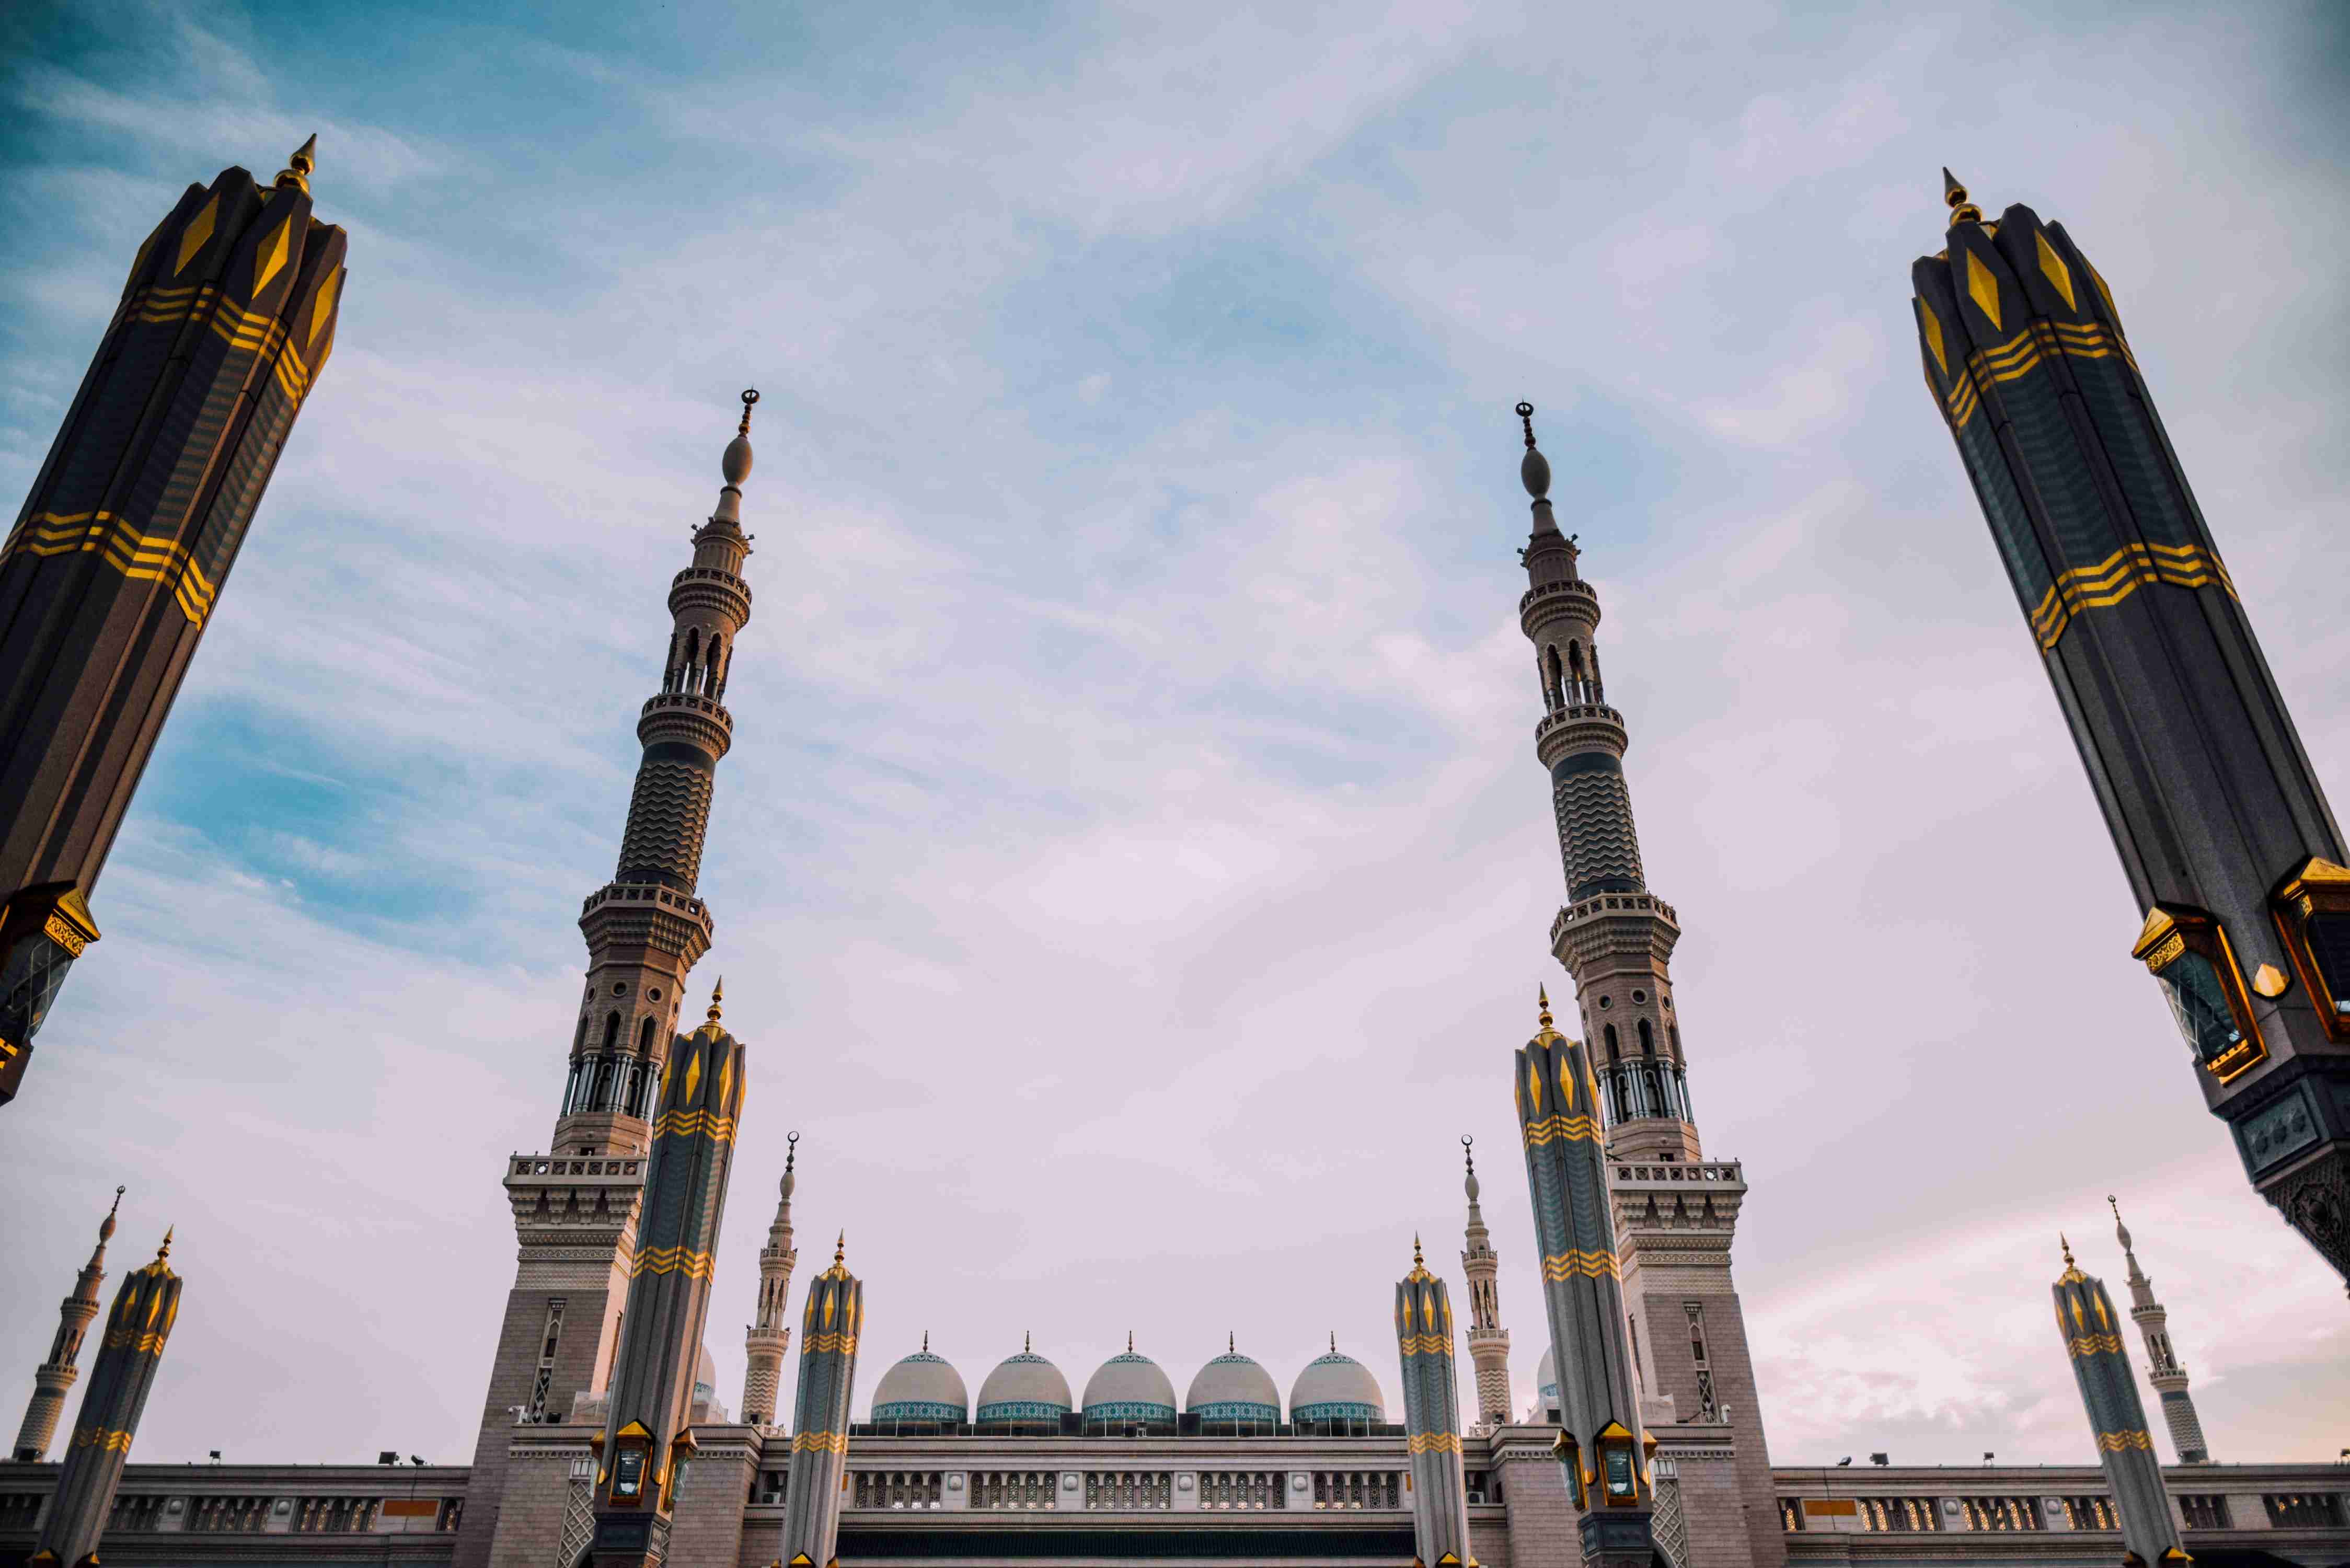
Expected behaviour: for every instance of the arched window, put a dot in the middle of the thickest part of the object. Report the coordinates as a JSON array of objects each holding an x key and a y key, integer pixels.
[
  {"x": 579, "y": 1040},
  {"x": 710, "y": 664},
  {"x": 612, "y": 1030},
  {"x": 1656, "y": 1094},
  {"x": 645, "y": 1038},
  {"x": 1648, "y": 1039},
  {"x": 1674, "y": 1030},
  {"x": 669, "y": 670},
  {"x": 1554, "y": 678},
  {"x": 692, "y": 659},
  {"x": 1613, "y": 1053}
]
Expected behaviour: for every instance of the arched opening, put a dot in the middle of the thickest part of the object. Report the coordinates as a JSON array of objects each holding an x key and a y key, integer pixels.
[
  {"x": 669, "y": 670},
  {"x": 1614, "y": 1054},
  {"x": 709, "y": 660},
  {"x": 645, "y": 1038},
  {"x": 612, "y": 1030},
  {"x": 1648, "y": 1039},
  {"x": 692, "y": 659},
  {"x": 1554, "y": 678},
  {"x": 579, "y": 1040}
]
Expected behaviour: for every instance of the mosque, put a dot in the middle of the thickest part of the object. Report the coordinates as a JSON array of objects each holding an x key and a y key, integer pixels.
[{"x": 603, "y": 1439}]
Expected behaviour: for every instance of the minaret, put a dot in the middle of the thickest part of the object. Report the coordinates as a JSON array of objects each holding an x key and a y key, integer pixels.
[
  {"x": 1489, "y": 1342},
  {"x": 136, "y": 1331},
  {"x": 2085, "y": 1317},
  {"x": 2231, "y": 853},
  {"x": 829, "y": 1330},
  {"x": 2162, "y": 1369},
  {"x": 1676, "y": 1213},
  {"x": 646, "y": 1437},
  {"x": 1432, "y": 1420},
  {"x": 55, "y": 1376},
  {"x": 769, "y": 1339},
  {"x": 575, "y": 1206},
  {"x": 111, "y": 571}
]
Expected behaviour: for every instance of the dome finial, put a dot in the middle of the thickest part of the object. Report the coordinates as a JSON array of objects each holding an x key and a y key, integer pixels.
[
  {"x": 296, "y": 172},
  {"x": 1534, "y": 468},
  {"x": 1027, "y": 1342},
  {"x": 1231, "y": 1345},
  {"x": 1955, "y": 196},
  {"x": 1334, "y": 1342},
  {"x": 1469, "y": 1159},
  {"x": 735, "y": 466},
  {"x": 750, "y": 400},
  {"x": 791, "y": 1156},
  {"x": 164, "y": 1251},
  {"x": 840, "y": 1249},
  {"x": 2121, "y": 1231},
  {"x": 717, "y": 996},
  {"x": 926, "y": 1342},
  {"x": 106, "y": 1226},
  {"x": 1130, "y": 1342}
]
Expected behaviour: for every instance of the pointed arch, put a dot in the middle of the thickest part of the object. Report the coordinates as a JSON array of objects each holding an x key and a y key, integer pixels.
[
  {"x": 612, "y": 1030},
  {"x": 645, "y": 1038},
  {"x": 1648, "y": 1039},
  {"x": 1614, "y": 1053},
  {"x": 1554, "y": 676}
]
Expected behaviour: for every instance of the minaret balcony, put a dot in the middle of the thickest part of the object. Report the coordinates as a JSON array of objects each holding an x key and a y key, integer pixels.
[
  {"x": 1692, "y": 1199},
  {"x": 686, "y": 716},
  {"x": 1639, "y": 927},
  {"x": 1540, "y": 602},
  {"x": 645, "y": 916},
  {"x": 1578, "y": 727},
  {"x": 707, "y": 587}
]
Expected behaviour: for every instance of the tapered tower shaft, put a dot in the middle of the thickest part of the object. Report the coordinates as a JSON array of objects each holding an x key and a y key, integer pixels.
[
  {"x": 117, "y": 561},
  {"x": 55, "y": 1379},
  {"x": 2086, "y": 1319},
  {"x": 1431, "y": 1417},
  {"x": 829, "y": 1327},
  {"x": 136, "y": 1332},
  {"x": 2223, "y": 832},
  {"x": 1489, "y": 1342},
  {"x": 2162, "y": 1367},
  {"x": 769, "y": 1337}
]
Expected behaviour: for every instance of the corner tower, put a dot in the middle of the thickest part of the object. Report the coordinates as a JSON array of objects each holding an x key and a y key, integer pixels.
[
  {"x": 1489, "y": 1342},
  {"x": 1676, "y": 1212},
  {"x": 575, "y": 1206},
  {"x": 2162, "y": 1368}
]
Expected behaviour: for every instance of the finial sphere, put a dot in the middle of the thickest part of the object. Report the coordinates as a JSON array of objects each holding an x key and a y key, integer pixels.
[{"x": 1533, "y": 471}]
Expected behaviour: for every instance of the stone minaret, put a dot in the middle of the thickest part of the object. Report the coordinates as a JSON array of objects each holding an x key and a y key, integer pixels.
[
  {"x": 769, "y": 1339},
  {"x": 1431, "y": 1419},
  {"x": 2085, "y": 1318},
  {"x": 111, "y": 571},
  {"x": 55, "y": 1376},
  {"x": 1676, "y": 1213},
  {"x": 2231, "y": 851},
  {"x": 575, "y": 1206},
  {"x": 646, "y": 1436},
  {"x": 2162, "y": 1368},
  {"x": 1489, "y": 1342},
  {"x": 1601, "y": 1443},
  {"x": 829, "y": 1330},
  {"x": 136, "y": 1331}
]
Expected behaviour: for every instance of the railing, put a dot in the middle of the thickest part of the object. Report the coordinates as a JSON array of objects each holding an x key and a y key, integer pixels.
[
  {"x": 545, "y": 1165},
  {"x": 641, "y": 893},
  {"x": 1578, "y": 711},
  {"x": 1020, "y": 1490},
  {"x": 899, "y": 1489},
  {"x": 1125, "y": 1491},
  {"x": 1573, "y": 586},
  {"x": 709, "y": 706},
  {"x": 1226, "y": 1490},
  {"x": 1358, "y": 1488},
  {"x": 1722, "y": 1170},
  {"x": 712, "y": 575}
]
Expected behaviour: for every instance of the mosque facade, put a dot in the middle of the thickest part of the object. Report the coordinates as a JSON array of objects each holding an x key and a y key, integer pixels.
[{"x": 605, "y": 1441}]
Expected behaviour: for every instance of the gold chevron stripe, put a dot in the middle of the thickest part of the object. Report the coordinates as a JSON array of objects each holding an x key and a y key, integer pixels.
[
  {"x": 1426, "y": 1345},
  {"x": 1590, "y": 1264},
  {"x": 2120, "y": 575},
  {"x": 673, "y": 1261},
  {"x": 822, "y": 1442},
  {"x": 142, "y": 557},
  {"x": 104, "y": 1439},
  {"x": 2114, "y": 1442},
  {"x": 138, "y": 1344},
  {"x": 843, "y": 1342},
  {"x": 1434, "y": 1443},
  {"x": 1574, "y": 1129},
  {"x": 693, "y": 1124},
  {"x": 2091, "y": 1343},
  {"x": 2023, "y": 354}
]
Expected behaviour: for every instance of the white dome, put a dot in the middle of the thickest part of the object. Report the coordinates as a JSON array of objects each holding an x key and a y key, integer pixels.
[
  {"x": 1336, "y": 1387},
  {"x": 1025, "y": 1388},
  {"x": 1232, "y": 1388},
  {"x": 1546, "y": 1378},
  {"x": 921, "y": 1387},
  {"x": 1129, "y": 1388}
]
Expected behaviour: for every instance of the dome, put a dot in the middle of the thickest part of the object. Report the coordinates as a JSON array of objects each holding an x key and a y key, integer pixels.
[
  {"x": 921, "y": 1387},
  {"x": 706, "y": 1405},
  {"x": 1025, "y": 1388},
  {"x": 1232, "y": 1388},
  {"x": 1546, "y": 1379},
  {"x": 1336, "y": 1387},
  {"x": 1129, "y": 1388}
]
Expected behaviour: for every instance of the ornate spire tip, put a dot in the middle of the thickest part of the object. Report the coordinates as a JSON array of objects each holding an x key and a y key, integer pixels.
[
  {"x": 296, "y": 172},
  {"x": 749, "y": 399},
  {"x": 1955, "y": 196},
  {"x": 717, "y": 997}
]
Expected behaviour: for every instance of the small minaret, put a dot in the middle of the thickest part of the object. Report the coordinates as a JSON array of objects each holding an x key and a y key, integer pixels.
[
  {"x": 1489, "y": 1342},
  {"x": 144, "y": 1309},
  {"x": 836, "y": 1312},
  {"x": 1600, "y": 1443},
  {"x": 646, "y": 1438},
  {"x": 1432, "y": 1420},
  {"x": 56, "y": 1374},
  {"x": 2162, "y": 1370},
  {"x": 769, "y": 1339},
  {"x": 2084, "y": 1316}
]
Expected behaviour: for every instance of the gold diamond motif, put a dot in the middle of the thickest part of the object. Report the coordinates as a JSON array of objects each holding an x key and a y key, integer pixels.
[
  {"x": 198, "y": 233},
  {"x": 1982, "y": 287},
  {"x": 1933, "y": 326},
  {"x": 271, "y": 256},
  {"x": 2058, "y": 273}
]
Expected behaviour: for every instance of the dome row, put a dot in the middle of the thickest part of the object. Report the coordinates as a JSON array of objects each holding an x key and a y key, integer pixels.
[{"x": 1127, "y": 1387}]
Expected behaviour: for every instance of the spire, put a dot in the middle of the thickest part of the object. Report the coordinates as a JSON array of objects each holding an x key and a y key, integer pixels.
[
  {"x": 736, "y": 467},
  {"x": 1469, "y": 1157},
  {"x": 296, "y": 172},
  {"x": 1334, "y": 1342},
  {"x": 1954, "y": 195},
  {"x": 926, "y": 1342},
  {"x": 2072, "y": 1274},
  {"x": 55, "y": 1377},
  {"x": 790, "y": 1181},
  {"x": 1232, "y": 1346},
  {"x": 1545, "y": 1031},
  {"x": 717, "y": 998},
  {"x": 1534, "y": 473},
  {"x": 2121, "y": 1231},
  {"x": 1418, "y": 1264},
  {"x": 1130, "y": 1342},
  {"x": 1027, "y": 1342}
]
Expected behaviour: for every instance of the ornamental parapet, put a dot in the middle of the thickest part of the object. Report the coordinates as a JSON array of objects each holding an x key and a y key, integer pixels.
[
  {"x": 575, "y": 1201},
  {"x": 707, "y": 587},
  {"x": 684, "y": 716},
  {"x": 1635, "y": 926},
  {"x": 647, "y": 916},
  {"x": 1579, "y": 727},
  {"x": 1692, "y": 1199},
  {"x": 1539, "y": 603}
]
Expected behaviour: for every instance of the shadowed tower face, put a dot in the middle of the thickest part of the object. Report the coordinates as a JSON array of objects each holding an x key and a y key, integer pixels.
[
  {"x": 576, "y": 1207},
  {"x": 1431, "y": 1417},
  {"x": 2091, "y": 1331},
  {"x": 2225, "y": 837},
  {"x": 115, "y": 566},
  {"x": 1675, "y": 1213},
  {"x": 137, "y": 1330}
]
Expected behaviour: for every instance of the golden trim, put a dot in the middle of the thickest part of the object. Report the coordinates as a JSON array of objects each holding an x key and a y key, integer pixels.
[
  {"x": 106, "y": 1439},
  {"x": 673, "y": 1261},
  {"x": 817, "y": 1343},
  {"x": 2117, "y": 577},
  {"x": 1574, "y": 1260},
  {"x": 1434, "y": 1443},
  {"x": 2115, "y": 1442},
  {"x": 1574, "y": 1129},
  {"x": 1426, "y": 1345},
  {"x": 2317, "y": 886},
  {"x": 2094, "y": 1344},
  {"x": 821, "y": 1442}
]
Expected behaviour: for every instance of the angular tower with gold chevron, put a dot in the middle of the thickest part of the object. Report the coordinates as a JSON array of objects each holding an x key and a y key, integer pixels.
[
  {"x": 136, "y": 1332},
  {"x": 1431, "y": 1419},
  {"x": 2229, "y": 846},
  {"x": 2092, "y": 1332},
  {"x": 113, "y": 567},
  {"x": 1600, "y": 1444},
  {"x": 829, "y": 1330},
  {"x": 646, "y": 1438}
]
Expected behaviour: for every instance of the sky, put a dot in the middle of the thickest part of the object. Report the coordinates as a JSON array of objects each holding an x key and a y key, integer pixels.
[{"x": 1132, "y": 873}]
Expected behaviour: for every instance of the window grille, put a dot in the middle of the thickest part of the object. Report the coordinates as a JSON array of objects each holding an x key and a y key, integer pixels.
[
  {"x": 335, "y": 1515},
  {"x": 2205, "y": 1512},
  {"x": 229, "y": 1515},
  {"x": 2092, "y": 1513},
  {"x": 1790, "y": 1514},
  {"x": 1358, "y": 1488},
  {"x": 1015, "y": 1488},
  {"x": 2303, "y": 1509},
  {"x": 894, "y": 1489},
  {"x": 2001, "y": 1514},
  {"x": 1125, "y": 1490},
  {"x": 1905, "y": 1514}
]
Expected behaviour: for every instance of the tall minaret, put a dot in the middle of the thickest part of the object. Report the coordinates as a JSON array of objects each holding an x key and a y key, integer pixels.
[
  {"x": 575, "y": 1206},
  {"x": 56, "y": 1374},
  {"x": 115, "y": 565},
  {"x": 2085, "y": 1317},
  {"x": 107, "y": 1422},
  {"x": 1489, "y": 1342},
  {"x": 769, "y": 1339},
  {"x": 2162, "y": 1369},
  {"x": 1431, "y": 1419},
  {"x": 1673, "y": 1224},
  {"x": 828, "y": 1390},
  {"x": 2219, "y": 822}
]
